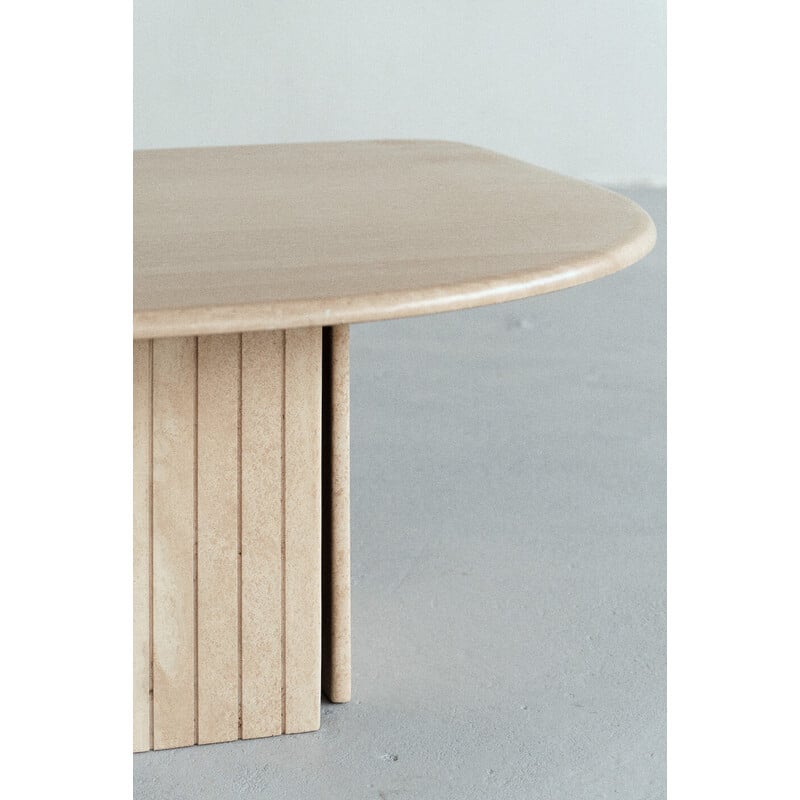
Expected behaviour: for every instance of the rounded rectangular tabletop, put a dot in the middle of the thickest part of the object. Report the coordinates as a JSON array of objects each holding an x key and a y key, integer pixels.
[{"x": 230, "y": 239}]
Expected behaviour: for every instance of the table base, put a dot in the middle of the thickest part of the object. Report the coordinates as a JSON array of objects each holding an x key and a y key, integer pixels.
[{"x": 241, "y": 534}]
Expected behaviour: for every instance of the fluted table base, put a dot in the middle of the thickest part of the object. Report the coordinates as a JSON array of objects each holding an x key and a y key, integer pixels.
[{"x": 241, "y": 534}]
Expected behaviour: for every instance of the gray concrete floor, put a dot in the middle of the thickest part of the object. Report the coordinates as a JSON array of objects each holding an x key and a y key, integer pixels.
[{"x": 509, "y": 562}]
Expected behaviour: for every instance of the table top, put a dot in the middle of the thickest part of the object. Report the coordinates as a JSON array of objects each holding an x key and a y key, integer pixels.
[{"x": 230, "y": 239}]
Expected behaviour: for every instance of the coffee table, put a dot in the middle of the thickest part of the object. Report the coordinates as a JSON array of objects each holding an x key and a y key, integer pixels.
[{"x": 250, "y": 263}]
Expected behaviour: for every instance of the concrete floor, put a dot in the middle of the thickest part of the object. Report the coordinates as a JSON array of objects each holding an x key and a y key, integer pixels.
[{"x": 509, "y": 562}]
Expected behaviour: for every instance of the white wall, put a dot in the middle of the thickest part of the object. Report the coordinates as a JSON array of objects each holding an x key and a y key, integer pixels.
[{"x": 573, "y": 85}]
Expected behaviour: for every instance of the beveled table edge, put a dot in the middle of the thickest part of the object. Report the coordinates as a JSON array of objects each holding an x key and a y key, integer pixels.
[
  {"x": 397, "y": 304},
  {"x": 285, "y": 314}
]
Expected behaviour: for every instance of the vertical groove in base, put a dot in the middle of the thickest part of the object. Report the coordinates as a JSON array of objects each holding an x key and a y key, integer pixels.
[
  {"x": 150, "y": 545},
  {"x": 239, "y": 543},
  {"x": 283, "y": 539},
  {"x": 195, "y": 562}
]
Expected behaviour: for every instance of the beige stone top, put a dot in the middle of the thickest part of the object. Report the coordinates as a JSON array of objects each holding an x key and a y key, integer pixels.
[{"x": 230, "y": 239}]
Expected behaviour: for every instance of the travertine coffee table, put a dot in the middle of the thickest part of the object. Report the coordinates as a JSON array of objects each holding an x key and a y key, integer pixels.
[{"x": 249, "y": 264}]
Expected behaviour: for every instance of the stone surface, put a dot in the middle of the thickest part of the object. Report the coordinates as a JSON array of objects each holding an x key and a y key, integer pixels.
[{"x": 268, "y": 237}]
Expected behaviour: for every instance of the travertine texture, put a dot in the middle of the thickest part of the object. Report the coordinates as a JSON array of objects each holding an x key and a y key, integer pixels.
[
  {"x": 302, "y": 534},
  {"x": 218, "y": 493},
  {"x": 231, "y": 239},
  {"x": 142, "y": 420},
  {"x": 262, "y": 534},
  {"x": 227, "y": 537},
  {"x": 234, "y": 240},
  {"x": 336, "y": 671},
  {"x": 174, "y": 617}
]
